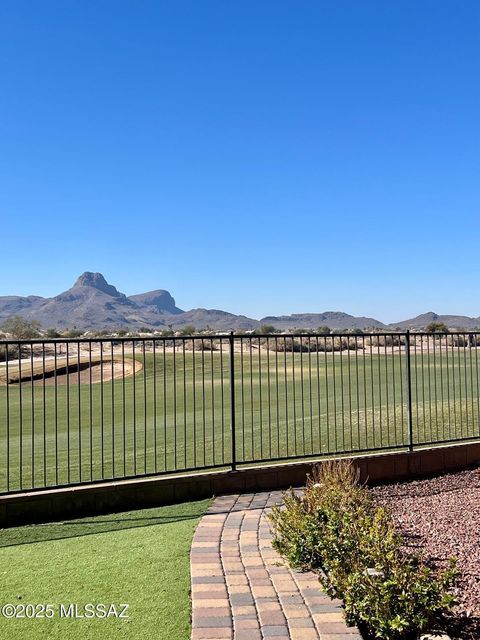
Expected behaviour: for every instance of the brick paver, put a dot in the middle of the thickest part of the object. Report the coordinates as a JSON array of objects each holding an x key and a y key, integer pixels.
[{"x": 243, "y": 590}]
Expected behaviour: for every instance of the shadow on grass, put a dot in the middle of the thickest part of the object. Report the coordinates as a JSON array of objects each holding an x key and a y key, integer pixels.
[{"x": 29, "y": 534}]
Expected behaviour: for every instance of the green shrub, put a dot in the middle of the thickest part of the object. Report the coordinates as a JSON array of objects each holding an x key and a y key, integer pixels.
[
  {"x": 436, "y": 327},
  {"x": 336, "y": 527},
  {"x": 188, "y": 330},
  {"x": 265, "y": 329},
  {"x": 407, "y": 598},
  {"x": 73, "y": 333},
  {"x": 323, "y": 329}
]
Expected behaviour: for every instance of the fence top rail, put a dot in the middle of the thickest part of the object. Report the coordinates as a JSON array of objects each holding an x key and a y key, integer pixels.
[{"x": 235, "y": 336}]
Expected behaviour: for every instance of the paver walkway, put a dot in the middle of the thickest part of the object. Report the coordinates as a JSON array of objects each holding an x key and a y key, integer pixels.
[{"x": 243, "y": 590}]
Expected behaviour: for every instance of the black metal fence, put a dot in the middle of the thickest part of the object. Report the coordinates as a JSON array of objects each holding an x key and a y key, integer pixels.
[{"x": 88, "y": 410}]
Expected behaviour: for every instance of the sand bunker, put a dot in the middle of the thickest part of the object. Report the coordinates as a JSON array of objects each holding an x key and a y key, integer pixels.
[{"x": 83, "y": 371}]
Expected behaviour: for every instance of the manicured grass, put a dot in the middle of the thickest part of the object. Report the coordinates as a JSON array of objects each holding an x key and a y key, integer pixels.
[
  {"x": 175, "y": 412},
  {"x": 140, "y": 558}
]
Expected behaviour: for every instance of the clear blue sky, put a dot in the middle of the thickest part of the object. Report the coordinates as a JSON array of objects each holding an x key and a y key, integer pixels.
[{"x": 259, "y": 157}]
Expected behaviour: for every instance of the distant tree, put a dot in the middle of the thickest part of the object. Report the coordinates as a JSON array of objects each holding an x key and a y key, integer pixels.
[
  {"x": 145, "y": 330},
  {"x": 103, "y": 333},
  {"x": 436, "y": 327},
  {"x": 52, "y": 333},
  {"x": 323, "y": 329},
  {"x": 73, "y": 333},
  {"x": 167, "y": 333},
  {"x": 21, "y": 329},
  {"x": 265, "y": 329},
  {"x": 122, "y": 332},
  {"x": 188, "y": 330}
]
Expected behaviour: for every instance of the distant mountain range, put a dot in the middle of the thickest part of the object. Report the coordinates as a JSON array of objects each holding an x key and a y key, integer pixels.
[{"x": 93, "y": 303}]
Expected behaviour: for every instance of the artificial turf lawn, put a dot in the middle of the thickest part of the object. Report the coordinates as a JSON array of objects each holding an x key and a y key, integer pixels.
[{"x": 140, "y": 558}]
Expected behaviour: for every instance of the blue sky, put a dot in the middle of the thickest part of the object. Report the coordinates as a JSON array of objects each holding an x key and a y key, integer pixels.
[{"x": 259, "y": 157}]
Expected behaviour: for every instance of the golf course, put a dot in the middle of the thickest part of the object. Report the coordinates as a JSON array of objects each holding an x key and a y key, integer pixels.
[{"x": 142, "y": 411}]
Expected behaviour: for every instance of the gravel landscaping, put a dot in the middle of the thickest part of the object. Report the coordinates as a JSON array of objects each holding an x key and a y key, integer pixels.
[{"x": 440, "y": 517}]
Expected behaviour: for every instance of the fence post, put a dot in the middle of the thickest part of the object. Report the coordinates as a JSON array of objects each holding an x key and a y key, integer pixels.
[
  {"x": 232, "y": 402},
  {"x": 409, "y": 391}
]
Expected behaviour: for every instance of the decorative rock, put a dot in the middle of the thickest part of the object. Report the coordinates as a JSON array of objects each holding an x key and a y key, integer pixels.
[{"x": 441, "y": 518}]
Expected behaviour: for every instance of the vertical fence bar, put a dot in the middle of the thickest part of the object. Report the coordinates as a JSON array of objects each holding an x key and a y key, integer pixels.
[
  {"x": 232, "y": 402},
  {"x": 20, "y": 416},
  {"x": 212, "y": 388},
  {"x": 154, "y": 363},
  {"x": 79, "y": 401},
  {"x": 409, "y": 391},
  {"x": 32, "y": 416},
  {"x": 184, "y": 405},
  {"x": 222, "y": 396},
  {"x": 67, "y": 374},
  {"x": 269, "y": 408},
  {"x": 145, "y": 452},
  {"x": 7, "y": 393},
  {"x": 113, "y": 408},
  {"x": 90, "y": 406},
  {"x": 44, "y": 394},
  {"x": 194, "y": 393},
  {"x": 124, "y": 411},
  {"x": 243, "y": 397}
]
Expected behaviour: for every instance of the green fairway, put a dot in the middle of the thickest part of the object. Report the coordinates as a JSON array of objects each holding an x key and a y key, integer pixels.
[
  {"x": 175, "y": 412},
  {"x": 139, "y": 558}
]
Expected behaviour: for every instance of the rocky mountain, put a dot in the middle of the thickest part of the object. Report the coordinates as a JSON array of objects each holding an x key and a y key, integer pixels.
[
  {"x": 93, "y": 303},
  {"x": 332, "y": 319},
  {"x": 159, "y": 299}
]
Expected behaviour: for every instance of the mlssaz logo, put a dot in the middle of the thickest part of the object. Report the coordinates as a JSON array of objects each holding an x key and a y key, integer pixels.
[{"x": 90, "y": 610}]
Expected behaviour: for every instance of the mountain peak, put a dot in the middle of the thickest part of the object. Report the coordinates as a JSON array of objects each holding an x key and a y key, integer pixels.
[
  {"x": 159, "y": 299},
  {"x": 97, "y": 281}
]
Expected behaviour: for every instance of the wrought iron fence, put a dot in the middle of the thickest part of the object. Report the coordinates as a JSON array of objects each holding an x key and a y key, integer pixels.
[{"x": 88, "y": 410}]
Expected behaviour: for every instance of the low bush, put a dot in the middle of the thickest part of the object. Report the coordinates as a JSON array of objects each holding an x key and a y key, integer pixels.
[
  {"x": 336, "y": 527},
  {"x": 386, "y": 341},
  {"x": 205, "y": 345},
  {"x": 287, "y": 345},
  {"x": 313, "y": 344}
]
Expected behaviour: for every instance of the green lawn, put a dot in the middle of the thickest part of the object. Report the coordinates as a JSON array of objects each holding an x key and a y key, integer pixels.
[
  {"x": 175, "y": 412},
  {"x": 139, "y": 558}
]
